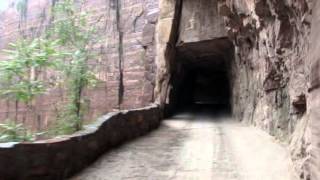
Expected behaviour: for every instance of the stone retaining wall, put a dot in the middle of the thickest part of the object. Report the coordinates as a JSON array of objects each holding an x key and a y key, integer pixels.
[{"x": 59, "y": 158}]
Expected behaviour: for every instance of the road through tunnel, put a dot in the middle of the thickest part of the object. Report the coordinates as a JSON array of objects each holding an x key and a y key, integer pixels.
[{"x": 201, "y": 77}]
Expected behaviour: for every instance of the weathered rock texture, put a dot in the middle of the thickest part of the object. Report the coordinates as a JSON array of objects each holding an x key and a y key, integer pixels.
[
  {"x": 269, "y": 70},
  {"x": 314, "y": 95},
  {"x": 59, "y": 158},
  {"x": 195, "y": 25},
  {"x": 125, "y": 62},
  {"x": 270, "y": 76}
]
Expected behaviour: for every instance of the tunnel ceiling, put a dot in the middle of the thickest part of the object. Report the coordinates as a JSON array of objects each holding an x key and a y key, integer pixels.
[{"x": 210, "y": 54}]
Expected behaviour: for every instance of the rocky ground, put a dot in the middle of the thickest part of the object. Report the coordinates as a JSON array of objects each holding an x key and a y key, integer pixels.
[{"x": 196, "y": 146}]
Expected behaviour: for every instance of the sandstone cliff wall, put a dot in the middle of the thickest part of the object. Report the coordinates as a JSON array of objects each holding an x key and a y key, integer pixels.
[{"x": 125, "y": 62}]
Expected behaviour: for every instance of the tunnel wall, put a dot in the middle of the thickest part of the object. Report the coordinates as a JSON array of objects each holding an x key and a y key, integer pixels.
[
  {"x": 269, "y": 72},
  {"x": 270, "y": 69},
  {"x": 59, "y": 158},
  {"x": 166, "y": 38},
  {"x": 314, "y": 96}
]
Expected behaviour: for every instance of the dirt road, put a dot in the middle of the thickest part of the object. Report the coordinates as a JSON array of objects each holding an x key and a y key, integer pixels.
[{"x": 195, "y": 146}]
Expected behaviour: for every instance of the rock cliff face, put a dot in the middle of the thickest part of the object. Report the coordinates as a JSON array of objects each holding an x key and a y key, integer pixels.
[
  {"x": 314, "y": 93},
  {"x": 125, "y": 62},
  {"x": 270, "y": 68}
]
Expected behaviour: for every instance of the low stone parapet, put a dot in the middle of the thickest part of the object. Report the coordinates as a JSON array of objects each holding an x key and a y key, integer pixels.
[{"x": 62, "y": 157}]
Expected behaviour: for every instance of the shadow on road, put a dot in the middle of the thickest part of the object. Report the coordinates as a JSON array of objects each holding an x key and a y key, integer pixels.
[{"x": 202, "y": 112}]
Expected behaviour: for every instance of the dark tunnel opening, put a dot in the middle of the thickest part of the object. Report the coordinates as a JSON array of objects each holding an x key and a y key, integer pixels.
[
  {"x": 203, "y": 86},
  {"x": 201, "y": 78}
]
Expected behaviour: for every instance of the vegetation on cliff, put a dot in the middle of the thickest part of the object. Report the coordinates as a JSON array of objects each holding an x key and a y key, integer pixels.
[{"x": 64, "y": 50}]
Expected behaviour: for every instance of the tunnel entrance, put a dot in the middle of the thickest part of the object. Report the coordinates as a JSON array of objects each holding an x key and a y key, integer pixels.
[
  {"x": 201, "y": 77},
  {"x": 205, "y": 83}
]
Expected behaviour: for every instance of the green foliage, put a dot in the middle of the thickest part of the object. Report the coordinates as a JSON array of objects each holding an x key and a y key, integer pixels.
[
  {"x": 18, "y": 74},
  {"x": 19, "y": 79},
  {"x": 65, "y": 49},
  {"x": 13, "y": 132},
  {"x": 67, "y": 120},
  {"x": 76, "y": 37}
]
